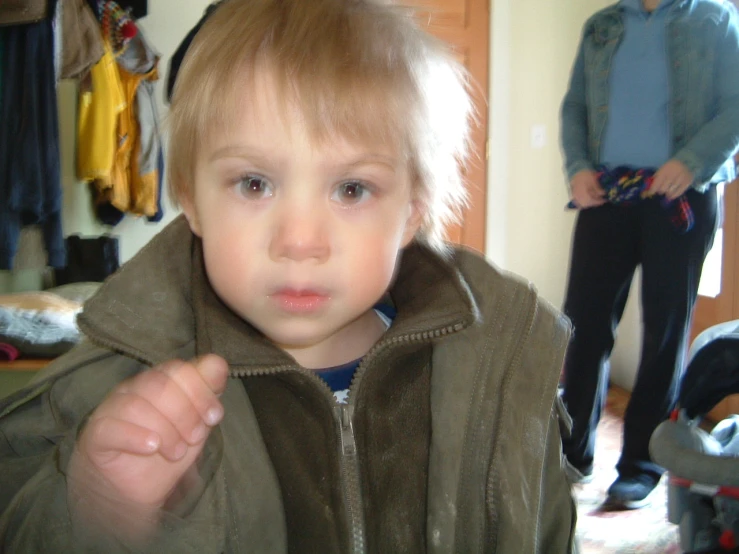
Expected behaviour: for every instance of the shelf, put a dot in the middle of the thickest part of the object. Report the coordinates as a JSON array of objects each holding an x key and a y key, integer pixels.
[{"x": 25, "y": 364}]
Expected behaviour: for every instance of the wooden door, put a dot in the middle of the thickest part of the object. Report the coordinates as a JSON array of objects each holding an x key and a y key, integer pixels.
[
  {"x": 465, "y": 25},
  {"x": 725, "y": 306}
]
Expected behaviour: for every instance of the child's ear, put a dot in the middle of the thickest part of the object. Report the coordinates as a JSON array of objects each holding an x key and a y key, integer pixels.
[
  {"x": 188, "y": 208},
  {"x": 413, "y": 223}
]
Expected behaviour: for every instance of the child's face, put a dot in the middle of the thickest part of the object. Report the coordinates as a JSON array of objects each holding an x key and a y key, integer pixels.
[{"x": 301, "y": 238}]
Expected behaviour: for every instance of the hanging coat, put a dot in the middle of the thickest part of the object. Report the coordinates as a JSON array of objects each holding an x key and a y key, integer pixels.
[
  {"x": 132, "y": 184},
  {"x": 30, "y": 180},
  {"x": 83, "y": 42},
  {"x": 97, "y": 119}
]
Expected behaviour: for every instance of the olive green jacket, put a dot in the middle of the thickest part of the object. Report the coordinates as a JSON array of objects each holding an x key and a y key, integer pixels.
[{"x": 450, "y": 441}]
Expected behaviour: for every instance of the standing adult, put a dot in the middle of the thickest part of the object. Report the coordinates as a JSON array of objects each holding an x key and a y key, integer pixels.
[{"x": 654, "y": 92}]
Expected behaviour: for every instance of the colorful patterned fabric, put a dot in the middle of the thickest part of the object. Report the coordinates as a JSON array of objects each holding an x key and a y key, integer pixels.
[
  {"x": 117, "y": 25},
  {"x": 626, "y": 186}
]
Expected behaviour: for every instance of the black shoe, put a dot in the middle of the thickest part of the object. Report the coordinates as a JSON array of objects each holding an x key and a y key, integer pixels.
[
  {"x": 631, "y": 492},
  {"x": 578, "y": 475}
]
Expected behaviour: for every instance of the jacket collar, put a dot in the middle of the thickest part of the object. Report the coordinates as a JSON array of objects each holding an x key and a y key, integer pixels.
[
  {"x": 160, "y": 304},
  {"x": 638, "y": 5}
]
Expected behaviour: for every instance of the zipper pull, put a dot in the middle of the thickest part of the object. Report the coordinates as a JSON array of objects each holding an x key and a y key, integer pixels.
[{"x": 348, "y": 446}]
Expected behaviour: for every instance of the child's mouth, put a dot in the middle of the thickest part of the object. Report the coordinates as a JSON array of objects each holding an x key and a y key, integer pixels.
[{"x": 300, "y": 301}]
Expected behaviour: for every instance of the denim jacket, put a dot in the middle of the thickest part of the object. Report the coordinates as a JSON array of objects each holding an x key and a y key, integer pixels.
[{"x": 703, "y": 58}]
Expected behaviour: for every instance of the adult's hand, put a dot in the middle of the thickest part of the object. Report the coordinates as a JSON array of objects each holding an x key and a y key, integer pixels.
[
  {"x": 586, "y": 191},
  {"x": 671, "y": 180}
]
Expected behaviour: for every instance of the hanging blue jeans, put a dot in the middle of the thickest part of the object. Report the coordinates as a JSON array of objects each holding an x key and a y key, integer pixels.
[{"x": 30, "y": 180}]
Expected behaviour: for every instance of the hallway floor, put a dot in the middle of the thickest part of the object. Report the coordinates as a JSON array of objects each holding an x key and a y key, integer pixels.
[{"x": 604, "y": 531}]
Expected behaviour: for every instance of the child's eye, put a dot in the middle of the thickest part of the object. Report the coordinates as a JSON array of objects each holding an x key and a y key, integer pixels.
[
  {"x": 351, "y": 192},
  {"x": 255, "y": 187}
]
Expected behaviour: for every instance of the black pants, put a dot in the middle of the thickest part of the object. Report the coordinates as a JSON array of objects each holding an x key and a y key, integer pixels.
[{"x": 609, "y": 243}]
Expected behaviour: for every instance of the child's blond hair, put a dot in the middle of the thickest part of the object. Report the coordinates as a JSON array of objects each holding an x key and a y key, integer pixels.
[{"x": 359, "y": 69}]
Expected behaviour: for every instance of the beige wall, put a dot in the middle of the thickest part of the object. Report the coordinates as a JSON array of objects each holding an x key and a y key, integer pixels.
[{"x": 533, "y": 43}]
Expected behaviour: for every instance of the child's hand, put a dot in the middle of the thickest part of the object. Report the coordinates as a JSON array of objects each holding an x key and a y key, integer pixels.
[{"x": 148, "y": 432}]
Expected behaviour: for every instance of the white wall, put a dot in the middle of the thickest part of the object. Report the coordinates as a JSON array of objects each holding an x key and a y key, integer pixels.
[{"x": 533, "y": 44}]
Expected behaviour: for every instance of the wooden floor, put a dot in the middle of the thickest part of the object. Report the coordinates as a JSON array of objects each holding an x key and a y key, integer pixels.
[
  {"x": 617, "y": 401},
  {"x": 602, "y": 530}
]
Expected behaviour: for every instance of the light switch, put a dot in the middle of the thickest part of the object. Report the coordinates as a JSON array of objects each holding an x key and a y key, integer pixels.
[{"x": 538, "y": 136}]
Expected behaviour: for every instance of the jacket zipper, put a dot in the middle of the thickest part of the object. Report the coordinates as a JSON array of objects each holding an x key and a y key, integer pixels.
[
  {"x": 348, "y": 460},
  {"x": 344, "y": 417},
  {"x": 348, "y": 455},
  {"x": 350, "y": 476}
]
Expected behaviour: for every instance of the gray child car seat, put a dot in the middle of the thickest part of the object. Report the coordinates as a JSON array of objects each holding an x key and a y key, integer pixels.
[{"x": 703, "y": 467}]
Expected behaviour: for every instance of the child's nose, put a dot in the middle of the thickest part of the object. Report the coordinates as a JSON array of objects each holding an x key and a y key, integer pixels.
[{"x": 301, "y": 234}]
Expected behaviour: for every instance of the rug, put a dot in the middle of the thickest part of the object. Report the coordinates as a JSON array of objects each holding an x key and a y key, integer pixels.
[{"x": 601, "y": 530}]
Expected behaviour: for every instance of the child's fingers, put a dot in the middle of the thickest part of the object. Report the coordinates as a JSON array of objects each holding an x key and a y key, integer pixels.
[
  {"x": 137, "y": 412},
  {"x": 106, "y": 437},
  {"x": 170, "y": 400},
  {"x": 190, "y": 379},
  {"x": 214, "y": 371}
]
